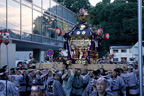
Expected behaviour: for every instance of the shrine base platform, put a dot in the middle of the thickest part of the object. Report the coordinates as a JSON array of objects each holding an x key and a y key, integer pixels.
[{"x": 81, "y": 66}]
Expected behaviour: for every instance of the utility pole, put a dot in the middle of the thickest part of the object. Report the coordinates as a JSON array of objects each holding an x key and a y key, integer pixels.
[{"x": 140, "y": 61}]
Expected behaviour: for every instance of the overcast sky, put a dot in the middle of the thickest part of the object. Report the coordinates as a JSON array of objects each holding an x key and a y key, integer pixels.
[{"x": 93, "y": 2}]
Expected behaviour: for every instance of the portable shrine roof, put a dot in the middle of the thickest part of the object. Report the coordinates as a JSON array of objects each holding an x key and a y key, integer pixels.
[{"x": 78, "y": 31}]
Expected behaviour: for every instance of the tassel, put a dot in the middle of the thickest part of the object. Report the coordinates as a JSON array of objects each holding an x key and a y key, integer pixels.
[
  {"x": 89, "y": 42},
  {"x": 65, "y": 43},
  {"x": 93, "y": 48},
  {"x": 83, "y": 43},
  {"x": 70, "y": 41},
  {"x": 96, "y": 43},
  {"x": 76, "y": 42},
  {"x": 99, "y": 46}
]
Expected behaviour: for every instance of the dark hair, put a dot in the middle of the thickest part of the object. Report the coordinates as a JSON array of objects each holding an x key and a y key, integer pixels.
[
  {"x": 117, "y": 71},
  {"x": 120, "y": 69},
  {"x": 103, "y": 69},
  {"x": 12, "y": 70},
  {"x": 37, "y": 83},
  {"x": 135, "y": 65},
  {"x": 2, "y": 71},
  {"x": 24, "y": 68},
  {"x": 4, "y": 67},
  {"x": 79, "y": 70},
  {"x": 95, "y": 73},
  {"x": 103, "y": 73},
  {"x": 98, "y": 70},
  {"x": 17, "y": 68}
]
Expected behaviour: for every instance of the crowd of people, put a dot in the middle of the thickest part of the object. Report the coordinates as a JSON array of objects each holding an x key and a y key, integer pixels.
[{"x": 69, "y": 82}]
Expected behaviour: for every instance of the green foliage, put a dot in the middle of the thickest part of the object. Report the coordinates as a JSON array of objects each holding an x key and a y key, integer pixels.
[
  {"x": 106, "y": 1},
  {"x": 75, "y": 5},
  {"x": 120, "y": 20}
]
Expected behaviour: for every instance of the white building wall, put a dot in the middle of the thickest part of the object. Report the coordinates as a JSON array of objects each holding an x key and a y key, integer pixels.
[
  {"x": 24, "y": 55},
  {"x": 119, "y": 55},
  {"x": 11, "y": 55},
  {"x": 134, "y": 50}
]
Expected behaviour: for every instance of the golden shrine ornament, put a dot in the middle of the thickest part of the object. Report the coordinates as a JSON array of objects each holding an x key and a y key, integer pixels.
[
  {"x": 78, "y": 33},
  {"x": 83, "y": 32}
]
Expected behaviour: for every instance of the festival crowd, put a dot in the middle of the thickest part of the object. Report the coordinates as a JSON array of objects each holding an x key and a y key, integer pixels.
[{"x": 69, "y": 82}]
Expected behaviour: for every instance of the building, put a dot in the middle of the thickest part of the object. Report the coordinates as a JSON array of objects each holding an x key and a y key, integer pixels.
[
  {"x": 32, "y": 24},
  {"x": 134, "y": 50},
  {"x": 122, "y": 53}
]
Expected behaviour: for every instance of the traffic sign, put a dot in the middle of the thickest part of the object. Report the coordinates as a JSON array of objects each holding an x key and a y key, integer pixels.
[{"x": 50, "y": 52}]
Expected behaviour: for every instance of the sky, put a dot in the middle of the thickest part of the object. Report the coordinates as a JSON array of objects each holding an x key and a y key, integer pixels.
[{"x": 94, "y": 2}]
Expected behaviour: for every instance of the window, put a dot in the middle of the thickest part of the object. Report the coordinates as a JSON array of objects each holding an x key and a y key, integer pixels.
[
  {"x": 65, "y": 28},
  {"x": 65, "y": 13},
  {"x": 115, "y": 59},
  {"x": 53, "y": 8},
  {"x": 69, "y": 28},
  {"x": 132, "y": 59},
  {"x": 2, "y": 14},
  {"x": 53, "y": 27},
  {"x": 36, "y": 22},
  {"x": 123, "y": 59},
  {"x": 60, "y": 25},
  {"x": 46, "y": 25},
  {"x": 115, "y": 51},
  {"x": 26, "y": 19},
  {"x": 27, "y": 2},
  {"x": 123, "y": 51},
  {"x": 70, "y": 16},
  {"x": 14, "y": 34},
  {"x": 46, "y": 4},
  {"x": 13, "y": 15},
  {"x": 60, "y": 10},
  {"x": 26, "y": 36},
  {"x": 37, "y": 2},
  {"x": 75, "y": 20}
]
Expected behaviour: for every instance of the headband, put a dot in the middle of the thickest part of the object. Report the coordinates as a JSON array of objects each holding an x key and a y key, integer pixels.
[
  {"x": 130, "y": 67},
  {"x": 31, "y": 72},
  {"x": 12, "y": 70},
  {"x": 103, "y": 78},
  {"x": 3, "y": 73},
  {"x": 34, "y": 88},
  {"x": 46, "y": 69}
]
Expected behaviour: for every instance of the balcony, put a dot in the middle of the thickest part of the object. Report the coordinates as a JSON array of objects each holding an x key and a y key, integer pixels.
[{"x": 26, "y": 41}]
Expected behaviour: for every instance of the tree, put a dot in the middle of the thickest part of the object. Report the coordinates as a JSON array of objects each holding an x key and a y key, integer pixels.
[
  {"x": 106, "y": 1},
  {"x": 75, "y": 5},
  {"x": 119, "y": 20}
]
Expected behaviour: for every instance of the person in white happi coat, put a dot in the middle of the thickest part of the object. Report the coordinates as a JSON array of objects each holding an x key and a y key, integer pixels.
[
  {"x": 16, "y": 78},
  {"x": 33, "y": 78},
  {"x": 6, "y": 87},
  {"x": 54, "y": 87},
  {"x": 67, "y": 81},
  {"x": 47, "y": 77},
  {"x": 91, "y": 85},
  {"x": 101, "y": 85},
  {"x": 117, "y": 84},
  {"x": 130, "y": 79},
  {"x": 86, "y": 77}
]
